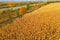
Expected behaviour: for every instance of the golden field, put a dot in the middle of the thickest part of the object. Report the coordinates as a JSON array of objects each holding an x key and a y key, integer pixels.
[{"x": 41, "y": 24}]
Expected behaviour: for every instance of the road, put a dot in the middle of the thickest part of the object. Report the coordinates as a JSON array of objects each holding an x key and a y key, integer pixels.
[{"x": 14, "y": 8}]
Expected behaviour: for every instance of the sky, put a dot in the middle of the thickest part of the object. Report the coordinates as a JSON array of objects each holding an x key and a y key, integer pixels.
[
  {"x": 19, "y": 0},
  {"x": 25, "y": 0}
]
